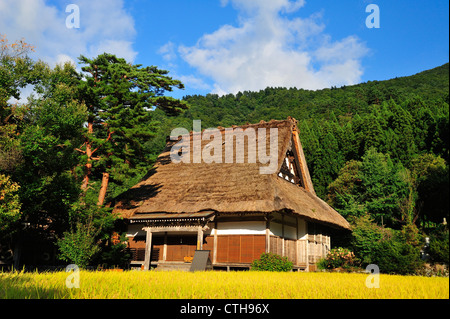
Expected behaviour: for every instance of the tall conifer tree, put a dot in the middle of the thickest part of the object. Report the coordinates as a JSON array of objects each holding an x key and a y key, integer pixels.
[{"x": 120, "y": 98}]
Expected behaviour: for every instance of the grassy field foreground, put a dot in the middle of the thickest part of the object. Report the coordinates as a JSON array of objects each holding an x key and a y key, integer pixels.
[{"x": 216, "y": 285}]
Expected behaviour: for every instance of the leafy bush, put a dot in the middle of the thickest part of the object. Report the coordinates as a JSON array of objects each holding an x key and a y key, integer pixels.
[
  {"x": 394, "y": 251},
  {"x": 365, "y": 237},
  {"x": 115, "y": 254},
  {"x": 9, "y": 204},
  {"x": 78, "y": 246},
  {"x": 396, "y": 256},
  {"x": 439, "y": 245},
  {"x": 271, "y": 262},
  {"x": 339, "y": 258}
]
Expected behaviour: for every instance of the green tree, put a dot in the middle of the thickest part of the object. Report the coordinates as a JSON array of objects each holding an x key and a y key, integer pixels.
[
  {"x": 50, "y": 133},
  {"x": 396, "y": 255},
  {"x": 366, "y": 236},
  {"x": 16, "y": 71},
  {"x": 430, "y": 174},
  {"x": 402, "y": 145},
  {"x": 375, "y": 185},
  {"x": 120, "y": 98},
  {"x": 9, "y": 205},
  {"x": 78, "y": 246},
  {"x": 343, "y": 192},
  {"x": 373, "y": 133},
  {"x": 115, "y": 254},
  {"x": 384, "y": 187},
  {"x": 439, "y": 244},
  {"x": 349, "y": 143}
]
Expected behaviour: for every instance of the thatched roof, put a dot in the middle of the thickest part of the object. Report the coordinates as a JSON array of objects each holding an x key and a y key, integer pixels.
[{"x": 229, "y": 187}]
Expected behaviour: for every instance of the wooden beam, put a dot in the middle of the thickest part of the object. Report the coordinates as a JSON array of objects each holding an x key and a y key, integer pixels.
[
  {"x": 297, "y": 258},
  {"x": 233, "y": 218},
  {"x": 199, "y": 238},
  {"x": 215, "y": 244},
  {"x": 329, "y": 241},
  {"x": 148, "y": 248},
  {"x": 162, "y": 229},
  {"x": 304, "y": 172},
  {"x": 307, "y": 247},
  {"x": 165, "y": 247},
  {"x": 284, "y": 222}
]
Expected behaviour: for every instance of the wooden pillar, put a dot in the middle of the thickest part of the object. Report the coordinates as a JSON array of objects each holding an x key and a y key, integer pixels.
[
  {"x": 267, "y": 235},
  {"x": 165, "y": 247},
  {"x": 282, "y": 235},
  {"x": 308, "y": 230},
  {"x": 199, "y": 238},
  {"x": 148, "y": 248},
  {"x": 329, "y": 242},
  {"x": 215, "y": 243},
  {"x": 297, "y": 258}
]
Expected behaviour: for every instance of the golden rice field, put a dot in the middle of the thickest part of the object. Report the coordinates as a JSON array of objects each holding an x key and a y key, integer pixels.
[{"x": 219, "y": 285}]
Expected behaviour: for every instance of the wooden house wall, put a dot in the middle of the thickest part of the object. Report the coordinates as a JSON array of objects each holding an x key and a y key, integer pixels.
[
  {"x": 240, "y": 248},
  {"x": 256, "y": 227},
  {"x": 319, "y": 242},
  {"x": 177, "y": 247},
  {"x": 242, "y": 242}
]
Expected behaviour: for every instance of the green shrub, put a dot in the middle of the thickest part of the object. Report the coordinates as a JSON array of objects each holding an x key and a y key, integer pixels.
[
  {"x": 394, "y": 256},
  {"x": 394, "y": 251},
  {"x": 78, "y": 246},
  {"x": 365, "y": 237},
  {"x": 338, "y": 258},
  {"x": 116, "y": 253},
  {"x": 271, "y": 262},
  {"x": 439, "y": 245}
]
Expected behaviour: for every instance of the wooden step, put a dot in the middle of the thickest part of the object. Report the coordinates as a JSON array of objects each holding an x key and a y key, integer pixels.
[{"x": 170, "y": 266}]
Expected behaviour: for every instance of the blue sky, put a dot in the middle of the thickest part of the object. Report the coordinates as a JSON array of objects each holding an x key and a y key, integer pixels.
[{"x": 226, "y": 46}]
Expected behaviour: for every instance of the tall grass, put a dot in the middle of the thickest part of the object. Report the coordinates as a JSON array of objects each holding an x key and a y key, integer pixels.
[{"x": 217, "y": 285}]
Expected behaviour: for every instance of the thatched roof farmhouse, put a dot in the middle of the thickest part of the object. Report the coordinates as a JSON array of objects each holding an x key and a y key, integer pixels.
[{"x": 248, "y": 191}]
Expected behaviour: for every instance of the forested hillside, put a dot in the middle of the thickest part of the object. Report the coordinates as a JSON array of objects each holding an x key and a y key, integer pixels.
[
  {"x": 378, "y": 152},
  {"x": 403, "y": 117}
]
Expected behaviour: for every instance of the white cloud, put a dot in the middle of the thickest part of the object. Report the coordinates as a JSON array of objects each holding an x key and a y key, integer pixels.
[
  {"x": 193, "y": 82},
  {"x": 265, "y": 6},
  {"x": 268, "y": 48},
  {"x": 168, "y": 51},
  {"x": 63, "y": 58},
  {"x": 104, "y": 27}
]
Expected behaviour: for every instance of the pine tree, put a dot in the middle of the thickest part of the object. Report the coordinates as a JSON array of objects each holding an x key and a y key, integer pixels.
[
  {"x": 120, "y": 98},
  {"x": 373, "y": 133},
  {"x": 403, "y": 147}
]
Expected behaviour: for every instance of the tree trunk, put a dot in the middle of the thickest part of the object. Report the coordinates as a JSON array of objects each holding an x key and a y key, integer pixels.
[
  {"x": 89, "y": 158},
  {"x": 16, "y": 254},
  {"x": 104, "y": 187}
]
